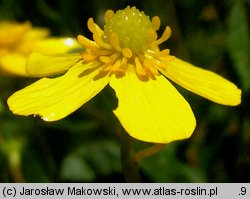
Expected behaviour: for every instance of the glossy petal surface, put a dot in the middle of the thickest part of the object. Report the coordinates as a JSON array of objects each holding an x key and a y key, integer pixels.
[
  {"x": 54, "y": 99},
  {"x": 153, "y": 110},
  {"x": 203, "y": 82},
  {"x": 39, "y": 64},
  {"x": 13, "y": 64},
  {"x": 57, "y": 45}
]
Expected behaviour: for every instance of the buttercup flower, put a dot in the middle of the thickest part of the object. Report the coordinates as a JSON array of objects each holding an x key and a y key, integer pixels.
[
  {"x": 18, "y": 40},
  {"x": 126, "y": 56}
]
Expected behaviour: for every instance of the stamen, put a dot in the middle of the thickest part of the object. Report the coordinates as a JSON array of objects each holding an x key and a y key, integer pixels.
[
  {"x": 114, "y": 56},
  {"x": 111, "y": 60},
  {"x": 152, "y": 70},
  {"x": 102, "y": 52},
  {"x": 149, "y": 65},
  {"x": 108, "y": 15},
  {"x": 163, "y": 53},
  {"x": 105, "y": 59},
  {"x": 126, "y": 52},
  {"x": 107, "y": 68},
  {"x": 168, "y": 58},
  {"x": 139, "y": 68},
  {"x": 129, "y": 40},
  {"x": 151, "y": 36},
  {"x": 87, "y": 56},
  {"x": 95, "y": 29},
  {"x": 166, "y": 34},
  {"x": 87, "y": 43},
  {"x": 114, "y": 41},
  {"x": 149, "y": 73},
  {"x": 162, "y": 63},
  {"x": 156, "y": 23},
  {"x": 116, "y": 65},
  {"x": 91, "y": 25},
  {"x": 100, "y": 42},
  {"x": 123, "y": 67},
  {"x": 124, "y": 63}
]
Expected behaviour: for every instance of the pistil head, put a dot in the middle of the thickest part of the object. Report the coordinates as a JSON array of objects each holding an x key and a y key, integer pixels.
[{"x": 131, "y": 27}]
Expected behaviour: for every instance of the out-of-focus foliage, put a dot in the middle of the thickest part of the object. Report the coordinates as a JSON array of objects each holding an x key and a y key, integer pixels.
[
  {"x": 239, "y": 42},
  {"x": 85, "y": 147}
]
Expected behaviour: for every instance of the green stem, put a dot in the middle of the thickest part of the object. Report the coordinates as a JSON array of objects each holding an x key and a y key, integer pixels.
[
  {"x": 129, "y": 163},
  {"x": 14, "y": 167},
  {"x": 148, "y": 151}
]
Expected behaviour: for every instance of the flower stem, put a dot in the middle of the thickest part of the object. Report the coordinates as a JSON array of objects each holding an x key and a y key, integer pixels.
[
  {"x": 16, "y": 173},
  {"x": 14, "y": 166},
  {"x": 129, "y": 163},
  {"x": 148, "y": 151}
]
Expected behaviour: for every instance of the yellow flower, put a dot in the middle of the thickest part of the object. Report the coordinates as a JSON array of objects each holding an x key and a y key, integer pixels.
[
  {"x": 126, "y": 56},
  {"x": 18, "y": 40}
]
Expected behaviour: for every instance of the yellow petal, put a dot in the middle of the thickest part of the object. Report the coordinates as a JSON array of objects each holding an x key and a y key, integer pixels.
[
  {"x": 153, "y": 110},
  {"x": 35, "y": 34},
  {"x": 203, "y": 82},
  {"x": 30, "y": 39},
  {"x": 13, "y": 64},
  {"x": 12, "y": 33},
  {"x": 57, "y": 45},
  {"x": 54, "y": 99},
  {"x": 39, "y": 64}
]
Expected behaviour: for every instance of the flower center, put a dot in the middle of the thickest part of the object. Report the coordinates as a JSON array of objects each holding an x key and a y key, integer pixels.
[{"x": 131, "y": 27}]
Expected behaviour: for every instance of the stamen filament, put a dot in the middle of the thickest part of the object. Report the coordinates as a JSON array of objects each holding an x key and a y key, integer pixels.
[
  {"x": 87, "y": 43},
  {"x": 108, "y": 15},
  {"x": 165, "y": 36},
  {"x": 105, "y": 59},
  {"x": 94, "y": 28},
  {"x": 126, "y": 52},
  {"x": 163, "y": 53},
  {"x": 88, "y": 57},
  {"x": 116, "y": 65},
  {"x": 151, "y": 36},
  {"x": 120, "y": 48},
  {"x": 114, "y": 41},
  {"x": 100, "y": 42},
  {"x": 156, "y": 23},
  {"x": 139, "y": 68}
]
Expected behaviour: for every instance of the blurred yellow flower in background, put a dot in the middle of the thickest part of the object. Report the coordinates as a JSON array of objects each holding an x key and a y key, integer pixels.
[
  {"x": 125, "y": 55},
  {"x": 18, "y": 40}
]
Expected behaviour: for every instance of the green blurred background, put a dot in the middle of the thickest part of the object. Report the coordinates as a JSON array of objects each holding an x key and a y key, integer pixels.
[{"x": 84, "y": 147}]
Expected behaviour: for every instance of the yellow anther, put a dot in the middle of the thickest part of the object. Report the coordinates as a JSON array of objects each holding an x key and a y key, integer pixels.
[
  {"x": 168, "y": 58},
  {"x": 88, "y": 56},
  {"x": 100, "y": 42},
  {"x": 87, "y": 43},
  {"x": 166, "y": 34},
  {"x": 139, "y": 68},
  {"x": 124, "y": 62},
  {"x": 156, "y": 22},
  {"x": 163, "y": 53},
  {"x": 126, "y": 52},
  {"x": 153, "y": 70},
  {"x": 159, "y": 54},
  {"x": 105, "y": 59},
  {"x": 91, "y": 25},
  {"x": 151, "y": 36},
  {"x": 114, "y": 41},
  {"x": 129, "y": 41},
  {"x": 94, "y": 28},
  {"x": 108, "y": 15}
]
